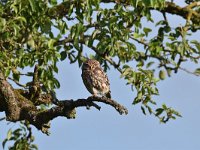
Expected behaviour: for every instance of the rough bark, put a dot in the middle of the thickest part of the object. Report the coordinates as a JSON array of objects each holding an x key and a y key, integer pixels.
[
  {"x": 18, "y": 106},
  {"x": 187, "y": 12}
]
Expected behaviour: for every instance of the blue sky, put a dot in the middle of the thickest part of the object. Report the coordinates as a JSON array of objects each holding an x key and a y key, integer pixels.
[{"x": 107, "y": 130}]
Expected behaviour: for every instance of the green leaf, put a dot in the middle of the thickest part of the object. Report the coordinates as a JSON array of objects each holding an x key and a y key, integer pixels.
[
  {"x": 150, "y": 64},
  {"x": 31, "y": 43},
  {"x": 149, "y": 109},
  {"x": 7, "y": 72},
  {"x": 9, "y": 134},
  {"x": 33, "y": 146},
  {"x": 16, "y": 29},
  {"x": 53, "y": 2},
  {"x": 167, "y": 29},
  {"x": 140, "y": 64},
  {"x": 164, "y": 107},
  {"x": 76, "y": 43},
  {"x": 136, "y": 35},
  {"x": 46, "y": 26},
  {"x": 17, "y": 133},
  {"x": 143, "y": 110},
  {"x": 2, "y": 22},
  {"x": 138, "y": 98},
  {"x": 56, "y": 83},
  {"x": 63, "y": 55},
  {"x": 159, "y": 111},
  {"x": 134, "y": 2},
  {"x": 176, "y": 113},
  {"x": 169, "y": 71},
  {"x": 22, "y": 19},
  {"x": 16, "y": 76},
  {"x": 197, "y": 71},
  {"x": 94, "y": 34},
  {"x": 161, "y": 22},
  {"x": 13, "y": 6},
  {"x": 51, "y": 43},
  {"x": 162, "y": 75},
  {"x": 55, "y": 68},
  {"x": 32, "y": 4},
  {"x": 4, "y": 143},
  {"x": 147, "y": 30}
]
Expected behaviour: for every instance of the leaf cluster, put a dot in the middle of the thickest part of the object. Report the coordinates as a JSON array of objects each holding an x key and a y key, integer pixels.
[
  {"x": 22, "y": 138},
  {"x": 115, "y": 32}
]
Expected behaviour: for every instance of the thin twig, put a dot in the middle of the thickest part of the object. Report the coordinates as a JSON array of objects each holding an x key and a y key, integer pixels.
[
  {"x": 3, "y": 118},
  {"x": 192, "y": 5},
  {"x": 190, "y": 72},
  {"x": 19, "y": 84}
]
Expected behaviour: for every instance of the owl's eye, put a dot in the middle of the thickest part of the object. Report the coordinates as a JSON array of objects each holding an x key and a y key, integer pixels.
[{"x": 85, "y": 66}]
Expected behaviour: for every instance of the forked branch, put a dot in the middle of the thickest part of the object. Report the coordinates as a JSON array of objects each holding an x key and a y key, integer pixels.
[{"x": 18, "y": 107}]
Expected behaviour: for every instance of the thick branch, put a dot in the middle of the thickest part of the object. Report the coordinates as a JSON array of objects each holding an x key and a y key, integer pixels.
[
  {"x": 18, "y": 107},
  {"x": 193, "y": 5},
  {"x": 8, "y": 99},
  {"x": 90, "y": 102},
  {"x": 172, "y": 8},
  {"x": 66, "y": 108},
  {"x": 62, "y": 9}
]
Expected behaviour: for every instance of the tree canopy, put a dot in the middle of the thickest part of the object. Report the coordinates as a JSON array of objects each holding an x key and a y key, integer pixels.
[{"x": 38, "y": 34}]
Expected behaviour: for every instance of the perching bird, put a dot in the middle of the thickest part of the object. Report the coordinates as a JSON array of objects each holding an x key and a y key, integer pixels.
[{"x": 95, "y": 79}]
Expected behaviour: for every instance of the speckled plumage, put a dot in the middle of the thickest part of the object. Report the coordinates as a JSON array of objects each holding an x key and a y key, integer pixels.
[{"x": 95, "y": 79}]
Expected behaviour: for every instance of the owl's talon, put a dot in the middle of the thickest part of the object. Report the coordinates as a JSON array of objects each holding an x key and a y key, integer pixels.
[
  {"x": 104, "y": 96},
  {"x": 94, "y": 95}
]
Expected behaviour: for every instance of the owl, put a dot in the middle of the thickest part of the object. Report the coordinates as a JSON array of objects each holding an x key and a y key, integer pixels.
[{"x": 95, "y": 79}]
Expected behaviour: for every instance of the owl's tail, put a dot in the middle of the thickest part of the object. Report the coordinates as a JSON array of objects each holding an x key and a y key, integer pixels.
[{"x": 108, "y": 95}]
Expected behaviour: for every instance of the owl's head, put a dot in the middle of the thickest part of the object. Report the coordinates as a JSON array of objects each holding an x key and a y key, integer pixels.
[{"x": 90, "y": 63}]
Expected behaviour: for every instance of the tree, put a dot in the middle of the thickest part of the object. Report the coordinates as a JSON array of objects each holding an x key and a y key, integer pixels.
[{"x": 39, "y": 34}]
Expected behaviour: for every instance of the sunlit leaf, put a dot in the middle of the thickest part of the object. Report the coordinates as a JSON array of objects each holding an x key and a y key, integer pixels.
[
  {"x": 32, "y": 3},
  {"x": 9, "y": 134},
  {"x": 197, "y": 71},
  {"x": 162, "y": 74}
]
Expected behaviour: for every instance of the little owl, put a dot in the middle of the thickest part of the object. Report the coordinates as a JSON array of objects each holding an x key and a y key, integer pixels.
[{"x": 94, "y": 78}]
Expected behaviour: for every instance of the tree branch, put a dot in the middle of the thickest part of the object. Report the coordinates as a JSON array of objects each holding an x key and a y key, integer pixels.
[
  {"x": 121, "y": 109},
  {"x": 62, "y": 9},
  {"x": 18, "y": 108},
  {"x": 192, "y": 5},
  {"x": 90, "y": 102},
  {"x": 189, "y": 72},
  {"x": 17, "y": 82},
  {"x": 66, "y": 108},
  {"x": 83, "y": 41},
  {"x": 172, "y": 8},
  {"x": 8, "y": 99}
]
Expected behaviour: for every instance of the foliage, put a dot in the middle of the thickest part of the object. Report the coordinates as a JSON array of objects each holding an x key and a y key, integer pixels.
[
  {"x": 45, "y": 32},
  {"x": 22, "y": 138}
]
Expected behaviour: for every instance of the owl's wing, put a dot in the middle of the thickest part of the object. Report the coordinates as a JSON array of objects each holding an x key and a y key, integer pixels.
[
  {"x": 87, "y": 81},
  {"x": 101, "y": 76},
  {"x": 101, "y": 82}
]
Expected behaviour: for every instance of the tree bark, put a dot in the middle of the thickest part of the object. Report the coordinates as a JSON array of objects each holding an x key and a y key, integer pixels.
[{"x": 18, "y": 107}]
